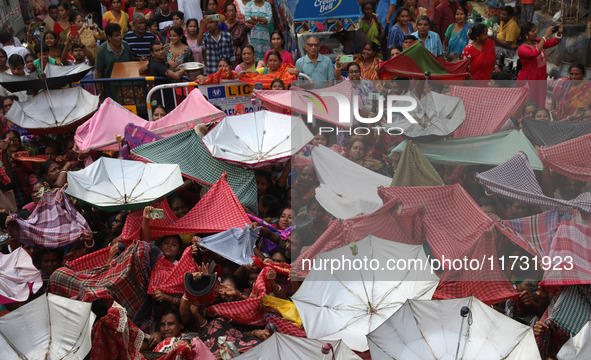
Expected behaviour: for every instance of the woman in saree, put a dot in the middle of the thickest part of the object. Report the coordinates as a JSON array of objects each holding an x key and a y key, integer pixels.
[
  {"x": 572, "y": 94},
  {"x": 402, "y": 28},
  {"x": 370, "y": 24},
  {"x": 456, "y": 36},
  {"x": 275, "y": 70},
  {"x": 356, "y": 152}
]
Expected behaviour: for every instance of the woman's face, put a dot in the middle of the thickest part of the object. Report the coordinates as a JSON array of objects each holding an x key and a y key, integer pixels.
[
  {"x": 368, "y": 52},
  {"x": 357, "y": 151},
  {"x": 62, "y": 13},
  {"x": 49, "y": 263},
  {"x": 3, "y": 59},
  {"x": 179, "y": 207},
  {"x": 278, "y": 258},
  {"x": 460, "y": 16},
  {"x": 170, "y": 248},
  {"x": 532, "y": 35},
  {"x": 319, "y": 139},
  {"x": 140, "y": 4},
  {"x": 14, "y": 141},
  {"x": 277, "y": 86},
  {"x": 228, "y": 291},
  {"x": 285, "y": 219},
  {"x": 49, "y": 39},
  {"x": 116, "y": 5},
  {"x": 118, "y": 223},
  {"x": 158, "y": 114},
  {"x": 404, "y": 17},
  {"x": 212, "y": 5},
  {"x": 231, "y": 13},
  {"x": 174, "y": 38},
  {"x": 153, "y": 28},
  {"x": 273, "y": 63},
  {"x": 170, "y": 326},
  {"x": 7, "y": 104},
  {"x": 53, "y": 172},
  {"x": 353, "y": 72},
  {"x": 277, "y": 42},
  {"x": 30, "y": 63},
  {"x": 576, "y": 74},
  {"x": 79, "y": 22},
  {"x": 394, "y": 52},
  {"x": 192, "y": 28},
  {"x": 177, "y": 21},
  {"x": 224, "y": 66},
  {"x": 542, "y": 115},
  {"x": 368, "y": 10},
  {"x": 247, "y": 56},
  {"x": 307, "y": 176},
  {"x": 528, "y": 111}
]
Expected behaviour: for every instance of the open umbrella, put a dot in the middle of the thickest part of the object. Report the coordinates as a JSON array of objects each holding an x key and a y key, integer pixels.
[
  {"x": 19, "y": 276},
  {"x": 280, "y": 346},
  {"x": 54, "y": 111},
  {"x": 115, "y": 184},
  {"x": 463, "y": 328},
  {"x": 436, "y": 115},
  {"x": 56, "y": 77},
  {"x": 257, "y": 139},
  {"x": 577, "y": 347},
  {"x": 351, "y": 302},
  {"x": 49, "y": 328}
]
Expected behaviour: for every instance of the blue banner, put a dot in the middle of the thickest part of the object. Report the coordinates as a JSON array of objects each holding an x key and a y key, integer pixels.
[{"x": 323, "y": 9}]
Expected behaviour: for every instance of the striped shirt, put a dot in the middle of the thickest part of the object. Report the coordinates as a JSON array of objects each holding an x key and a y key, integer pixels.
[
  {"x": 432, "y": 42},
  {"x": 140, "y": 46}
]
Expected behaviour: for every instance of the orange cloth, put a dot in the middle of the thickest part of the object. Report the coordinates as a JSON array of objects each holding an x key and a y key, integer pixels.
[{"x": 267, "y": 79}]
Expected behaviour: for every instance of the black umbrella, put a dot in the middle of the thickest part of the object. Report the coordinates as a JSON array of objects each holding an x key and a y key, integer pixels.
[{"x": 56, "y": 77}]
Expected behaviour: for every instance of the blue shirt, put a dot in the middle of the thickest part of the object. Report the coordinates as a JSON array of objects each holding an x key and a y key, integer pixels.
[
  {"x": 432, "y": 42},
  {"x": 321, "y": 71},
  {"x": 382, "y": 11}
]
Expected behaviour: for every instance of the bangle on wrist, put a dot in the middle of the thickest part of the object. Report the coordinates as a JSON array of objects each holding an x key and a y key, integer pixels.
[
  {"x": 558, "y": 36},
  {"x": 544, "y": 38}
]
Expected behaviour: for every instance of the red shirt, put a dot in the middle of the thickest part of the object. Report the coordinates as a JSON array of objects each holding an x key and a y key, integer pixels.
[
  {"x": 482, "y": 63},
  {"x": 445, "y": 15}
]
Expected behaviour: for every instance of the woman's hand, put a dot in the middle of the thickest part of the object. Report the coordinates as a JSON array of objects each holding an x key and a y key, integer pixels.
[
  {"x": 559, "y": 33},
  {"x": 262, "y": 334},
  {"x": 155, "y": 338},
  {"x": 548, "y": 32},
  {"x": 147, "y": 211},
  {"x": 195, "y": 248}
]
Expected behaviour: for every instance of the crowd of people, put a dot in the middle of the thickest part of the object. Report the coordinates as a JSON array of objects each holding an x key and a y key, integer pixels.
[{"x": 240, "y": 40}]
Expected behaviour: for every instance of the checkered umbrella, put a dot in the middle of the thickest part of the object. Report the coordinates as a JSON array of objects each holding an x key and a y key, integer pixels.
[
  {"x": 351, "y": 302},
  {"x": 463, "y": 328},
  {"x": 257, "y": 139},
  {"x": 115, "y": 184},
  {"x": 50, "y": 327}
]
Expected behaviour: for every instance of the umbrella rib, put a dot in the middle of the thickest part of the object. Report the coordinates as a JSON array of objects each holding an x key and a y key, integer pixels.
[
  {"x": 50, "y": 103},
  {"x": 421, "y": 331},
  {"x": 16, "y": 350}
]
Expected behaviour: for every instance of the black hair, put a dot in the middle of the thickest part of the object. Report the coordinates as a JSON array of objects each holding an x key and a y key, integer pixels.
[
  {"x": 305, "y": 234},
  {"x": 180, "y": 32},
  {"x": 111, "y": 29},
  {"x": 65, "y": 5},
  {"x": 44, "y": 167},
  {"x": 158, "y": 106},
  {"x": 276, "y": 53},
  {"x": 280, "y": 35},
  {"x": 3, "y": 52},
  {"x": 179, "y": 14},
  {"x": 51, "y": 7},
  {"x": 73, "y": 16},
  {"x": 192, "y": 19},
  {"x": 77, "y": 46},
  {"x": 172, "y": 311},
  {"x": 397, "y": 47},
  {"x": 265, "y": 174},
  {"x": 542, "y": 109},
  {"x": 374, "y": 47},
  {"x": 278, "y": 81},
  {"x": 226, "y": 60},
  {"x": 15, "y": 60},
  {"x": 464, "y": 9},
  {"x": 409, "y": 37},
  {"x": 524, "y": 30},
  {"x": 155, "y": 42},
  {"x": 5, "y": 37},
  {"x": 353, "y": 64},
  {"x": 400, "y": 10},
  {"x": 210, "y": 12},
  {"x": 509, "y": 10},
  {"x": 234, "y": 279},
  {"x": 30, "y": 55},
  {"x": 477, "y": 30},
  {"x": 272, "y": 204},
  {"x": 159, "y": 241},
  {"x": 368, "y": 2},
  {"x": 578, "y": 66},
  {"x": 150, "y": 22},
  {"x": 228, "y": 4},
  {"x": 39, "y": 48},
  {"x": 248, "y": 46}
]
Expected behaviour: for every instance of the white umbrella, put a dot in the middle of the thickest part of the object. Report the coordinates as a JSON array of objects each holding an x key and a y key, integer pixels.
[
  {"x": 436, "y": 115},
  {"x": 577, "y": 347},
  {"x": 48, "y": 328},
  {"x": 350, "y": 303},
  {"x": 280, "y": 346},
  {"x": 18, "y": 273},
  {"x": 431, "y": 329},
  {"x": 54, "y": 110},
  {"x": 115, "y": 184},
  {"x": 257, "y": 139}
]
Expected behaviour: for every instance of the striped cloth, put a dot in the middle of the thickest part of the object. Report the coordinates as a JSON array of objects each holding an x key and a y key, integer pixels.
[
  {"x": 415, "y": 170},
  {"x": 124, "y": 281},
  {"x": 572, "y": 308},
  {"x": 170, "y": 278},
  {"x": 532, "y": 233},
  {"x": 571, "y": 256},
  {"x": 487, "y": 108},
  {"x": 55, "y": 222},
  {"x": 248, "y": 311},
  {"x": 187, "y": 150},
  {"x": 455, "y": 227},
  {"x": 283, "y": 326},
  {"x": 570, "y": 158},
  {"x": 219, "y": 210},
  {"x": 515, "y": 180},
  {"x": 546, "y": 133}
]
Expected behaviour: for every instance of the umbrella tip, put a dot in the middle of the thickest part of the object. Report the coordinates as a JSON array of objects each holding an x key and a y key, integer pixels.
[
  {"x": 464, "y": 311},
  {"x": 327, "y": 348}
]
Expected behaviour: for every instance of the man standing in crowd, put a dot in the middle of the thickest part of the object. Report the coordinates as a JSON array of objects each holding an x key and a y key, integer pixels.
[
  {"x": 506, "y": 38},
  {"x": 317, "y": 66},
  {"x": 430, "y": 39},
  {"x": 113, "y": 51},
  {"x": 445, "y": 15},
  {"x": 218, "y": 44},
  {"x": 139, "y": 39},
  {"x": 7, "y": 41},
  {"x": 158, "y": 67}
]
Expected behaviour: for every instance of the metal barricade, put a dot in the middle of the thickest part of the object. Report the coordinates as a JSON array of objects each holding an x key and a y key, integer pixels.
[{"x": 183, "y": 86}]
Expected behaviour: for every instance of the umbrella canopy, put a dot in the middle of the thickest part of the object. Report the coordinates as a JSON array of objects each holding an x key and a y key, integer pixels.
[
  {"x": 415, "y": 60},
  {"x": 19, "y": 276},
  {"x": 431, "y": 329},
  {"x": 67, "y": 109},
  {"x": 349, "y": 304},
  {"x": 115, "y": 184},
  {"x": 493, "y": 149},
  {"x": 577, "y": 347},
  {"x": 49, "y": 328},
  {"x": 546, "y": 133},
  {"x": 346, "y": 189},
  {"x": 57, "y": 76},
  {"x": 257, "y": 139},
  {"x": 235, "y": 244},
  {"x": 280, "y": 346},
  {"x": 436, "y": 114}
]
